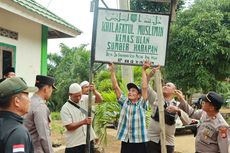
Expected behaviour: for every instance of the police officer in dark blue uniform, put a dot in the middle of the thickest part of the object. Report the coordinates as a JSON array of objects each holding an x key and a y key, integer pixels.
[{"x": 14, "y": 103}]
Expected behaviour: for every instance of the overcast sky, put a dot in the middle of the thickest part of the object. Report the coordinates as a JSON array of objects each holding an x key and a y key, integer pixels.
[{"x": 77, "y": 13}]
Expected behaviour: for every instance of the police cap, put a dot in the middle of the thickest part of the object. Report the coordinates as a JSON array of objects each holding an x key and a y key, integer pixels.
[{"x": 214, "y": 98}]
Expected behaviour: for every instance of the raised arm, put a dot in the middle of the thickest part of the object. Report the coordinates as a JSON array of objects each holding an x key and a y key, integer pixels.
[
  {"x": 152, "y": 72},
  {"x": 114, "y": 80},
  {"x": 192, "y": 113},
  {"x": 145, "y": 66},
  {"x": 152, "y": 95},
  {"x": 98, "y": 97}
]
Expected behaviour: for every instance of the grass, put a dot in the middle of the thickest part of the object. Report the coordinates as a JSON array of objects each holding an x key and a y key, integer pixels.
[{"x": 57, "y": 130}]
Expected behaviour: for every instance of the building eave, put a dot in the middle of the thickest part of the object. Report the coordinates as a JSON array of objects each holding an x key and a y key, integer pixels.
[{"x": 55, "y": 29}]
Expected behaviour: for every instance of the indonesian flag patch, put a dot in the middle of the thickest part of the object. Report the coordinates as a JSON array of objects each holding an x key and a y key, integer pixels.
[{"x": 19, "y": 148}]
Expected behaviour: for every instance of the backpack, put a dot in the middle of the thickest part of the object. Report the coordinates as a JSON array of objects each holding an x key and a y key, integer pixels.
[{"x": 170, "y": 117}]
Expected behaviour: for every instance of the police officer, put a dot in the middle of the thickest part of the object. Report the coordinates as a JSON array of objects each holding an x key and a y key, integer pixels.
[
  {"x": 38, "y": 119},
  {"x": 213, "y": 131},
  {"x": 14, "y": 103}
]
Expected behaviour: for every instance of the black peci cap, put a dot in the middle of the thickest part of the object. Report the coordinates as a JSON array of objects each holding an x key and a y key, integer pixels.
[
  {"x": 132, "y": 85},
  {"x": 47, "y": 80},
  {"x": 8, "y": 70},
  {"x": 214, "y": 98}
]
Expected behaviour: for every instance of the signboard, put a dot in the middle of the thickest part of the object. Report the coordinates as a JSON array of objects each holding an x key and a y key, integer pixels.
[{"x": 127, "y": 37}]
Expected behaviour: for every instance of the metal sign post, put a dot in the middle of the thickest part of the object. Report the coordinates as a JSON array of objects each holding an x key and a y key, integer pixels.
[{"x": 96, "y": 2}]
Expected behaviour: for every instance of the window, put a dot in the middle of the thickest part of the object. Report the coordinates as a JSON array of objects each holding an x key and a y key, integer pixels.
[
  {"x": 6, "y": 57},
  {"x": 8, "y": 33}
]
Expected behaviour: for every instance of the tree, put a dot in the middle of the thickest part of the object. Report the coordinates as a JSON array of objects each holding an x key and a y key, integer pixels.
[
  {"x": 199, "y": 44},
  {"x": 153, "y": 7},
  {"x": 72, "y": 65}
]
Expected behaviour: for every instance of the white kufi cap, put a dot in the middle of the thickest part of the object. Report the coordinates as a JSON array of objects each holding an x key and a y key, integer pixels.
[
  {"x": 74, "y": 88},
  {"x": 84, "y": 83}
]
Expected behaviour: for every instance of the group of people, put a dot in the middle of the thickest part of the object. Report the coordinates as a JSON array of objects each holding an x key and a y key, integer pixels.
[
  {"x": 212, "y": 136},
  {"x": 25, "y": 123}
]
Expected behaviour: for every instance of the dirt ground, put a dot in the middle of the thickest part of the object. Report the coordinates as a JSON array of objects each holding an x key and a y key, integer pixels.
[{"x": 184, "y": 143}]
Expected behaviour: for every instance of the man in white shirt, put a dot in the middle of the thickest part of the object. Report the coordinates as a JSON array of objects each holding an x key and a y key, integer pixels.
[{"x": 74, "y": 118}]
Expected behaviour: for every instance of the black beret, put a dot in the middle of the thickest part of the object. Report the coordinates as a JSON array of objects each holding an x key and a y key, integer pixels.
[{"x": 47, "y": 80}]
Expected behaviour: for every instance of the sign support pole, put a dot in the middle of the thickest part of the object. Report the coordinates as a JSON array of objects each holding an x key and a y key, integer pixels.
[
  {"x": 161, "y": 110},
  {"x": 95, "y": 2}
]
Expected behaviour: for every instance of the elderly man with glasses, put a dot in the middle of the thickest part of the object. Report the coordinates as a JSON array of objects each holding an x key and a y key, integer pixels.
[{"x": 172, "y": 112}]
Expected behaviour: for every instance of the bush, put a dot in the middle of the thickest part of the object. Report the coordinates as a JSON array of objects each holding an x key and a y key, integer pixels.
[{"x": 55, "y": 116}]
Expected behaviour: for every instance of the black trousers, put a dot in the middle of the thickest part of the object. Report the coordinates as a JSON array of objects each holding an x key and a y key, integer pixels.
[
  {"x": 80, "y": 149},
  {"x": 153, "y": 147},
  {"x": 127, "y": 147}
]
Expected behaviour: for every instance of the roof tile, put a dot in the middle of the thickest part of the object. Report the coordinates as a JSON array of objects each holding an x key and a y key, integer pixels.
[{"x": 41, "y": 10}]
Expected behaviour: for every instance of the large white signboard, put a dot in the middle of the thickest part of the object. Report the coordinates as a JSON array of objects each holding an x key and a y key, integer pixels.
[{"x": 130, "y": 38}]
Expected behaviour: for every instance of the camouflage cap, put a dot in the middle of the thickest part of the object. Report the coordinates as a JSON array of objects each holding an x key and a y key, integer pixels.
[{"x": 12, "y": 86}]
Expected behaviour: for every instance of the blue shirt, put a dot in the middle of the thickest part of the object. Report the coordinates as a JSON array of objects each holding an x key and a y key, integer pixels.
[{"x": 132, "y": 126}]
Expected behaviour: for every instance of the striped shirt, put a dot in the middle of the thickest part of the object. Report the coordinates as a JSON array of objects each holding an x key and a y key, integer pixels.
[{"x": 132, "y": 126}]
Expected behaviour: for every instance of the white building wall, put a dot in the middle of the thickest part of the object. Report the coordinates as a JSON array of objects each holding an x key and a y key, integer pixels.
[{"x": 28, "y": 45}]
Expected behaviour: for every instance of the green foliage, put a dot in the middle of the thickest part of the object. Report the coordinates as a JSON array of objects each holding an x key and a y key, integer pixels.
[
  {"x": 153, "y": 7},
  {"x": 224, "y": 89},
  {"x": 103, "y": 80},
  {"x": 106, "y": 112},
  {"x": 56, "y": 124},
  {"x": 148, "y": 116},
  {"x": 199, "y": 46},
  {"x": 55, "y": 116},
  {"x": 57, "y": 127},
  {"x": 137, "y": 73}
]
